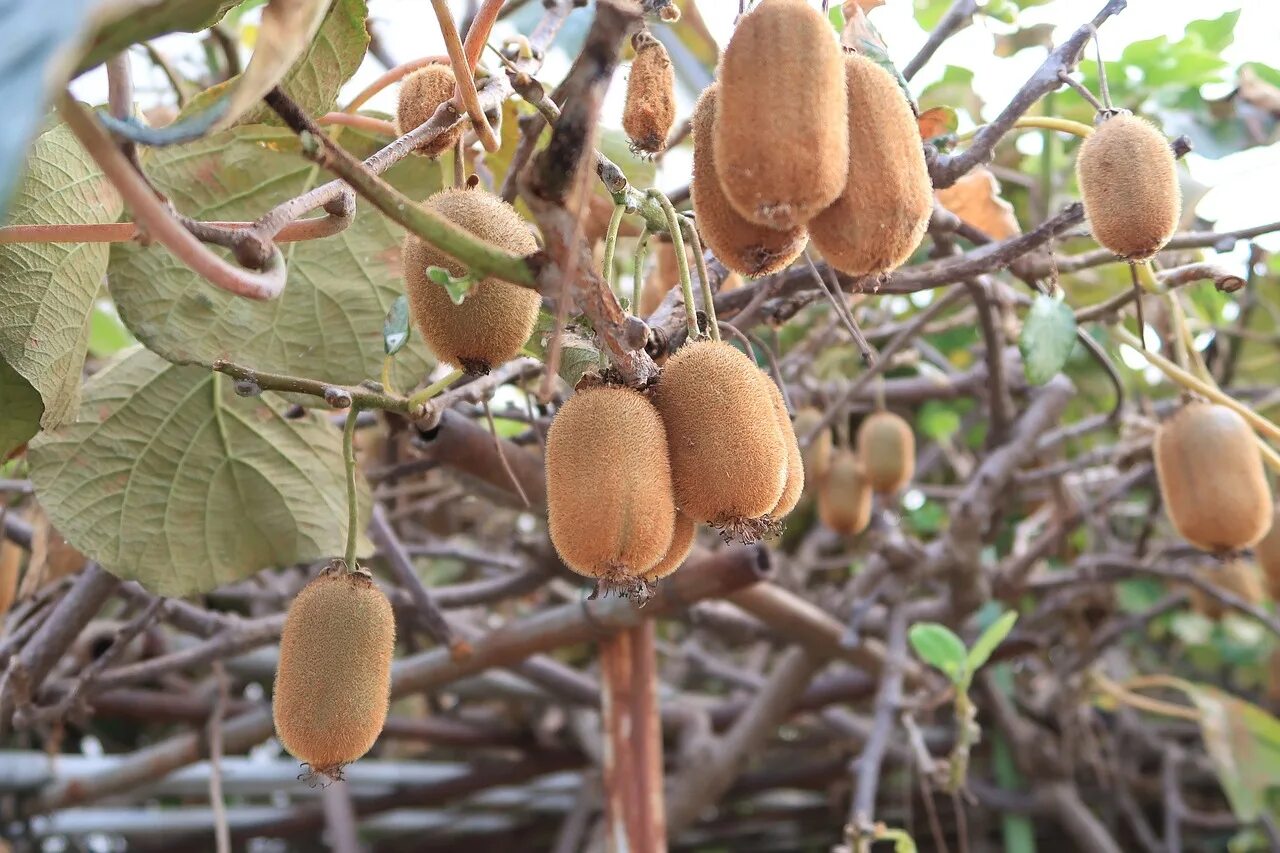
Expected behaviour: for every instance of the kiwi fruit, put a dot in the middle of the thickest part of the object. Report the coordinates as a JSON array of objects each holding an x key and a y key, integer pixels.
[
  {"x": 817, "y": 456},
  {"x": 650, "y": 108},
  {"x": 1129, "y": 184},
  {"x": 793, "y": 487},
  {"x": 496, "y": 318},
  {"x": 1238, "y": 577},
  {"x": 333, "y": 683},
  {"x": 887, "y": 451},
  {"x": 728, "y": 454},
  {"x": 844, "y": 498},
  {"x": 881, "y": 217},
  {"x": 1211, "y": 478},
  {"x": 779, "y": 151},
  {"x": 1267, "y": 550},
  {"x": 10, "y": 563},
  {"x": 742, "y": 246},
  {"x": 421, "y": 94},
  {"x": 682, "y": 539},
  {"x": 609, "y": 501}
]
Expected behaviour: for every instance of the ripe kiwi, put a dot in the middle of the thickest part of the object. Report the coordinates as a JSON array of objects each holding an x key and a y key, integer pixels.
[
  {"x": 817, "y": 456},
  {"x": 880, "y": 218},
  {"x": 1211, "y": 478},
  {"x": 781, "y": 154},
  {"x": 887, "y": 451},
  {"x": 1267, "y": 550},
  {"x": 609, "y": 505},
  {"x": 496, "y": 318},
  {"x": 651, "y": 96},
  {"x": 421, "y": 94},
  {"x": 333, "y": 684},
  {"x": 793, "y": 487},
  {"x": 728, "y": 454},
  {"x": 682, "y": 538},
  {"x": 1129, "y": 184},
  {"x": 742, "y": 246},
  {"x": 1237, "y": 577},
  {"x": 844, "y": 498}
]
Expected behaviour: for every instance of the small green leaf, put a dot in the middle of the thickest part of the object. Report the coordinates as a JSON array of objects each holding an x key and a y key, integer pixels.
[
  {"x": 395, "y": 329},
  {"x": 836, "y": 16},
  {"x": 1002, "y": 10},
  {"x": 938, "y": 646},
  {"x": 458, "y": 288},
  {"x": 937, "y": 420},
  {"x": 1048, "y": 336},
  {"x": 990, "y": 640}
]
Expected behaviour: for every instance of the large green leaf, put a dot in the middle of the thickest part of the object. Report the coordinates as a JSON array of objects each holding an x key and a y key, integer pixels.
[
  {"x": 47, "y": 289},
  {"x": 316, "y": 77},
  {"x": 20, "y": 410},
  {"x": 147, "y": 19},
  {"x": 169, "y": 478},
  {"x": 328, "y": 322}
]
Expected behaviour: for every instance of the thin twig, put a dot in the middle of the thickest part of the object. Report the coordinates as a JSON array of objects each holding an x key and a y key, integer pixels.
[
  {"x": 462, "y": 73},
  {"x": 221, "y": 832}
]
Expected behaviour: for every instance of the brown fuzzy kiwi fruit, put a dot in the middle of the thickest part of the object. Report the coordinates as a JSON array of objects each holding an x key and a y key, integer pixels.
[
  {"x": 682, "y": 538},
  {"x": 496, "y": 318},
  {"x": 887, "y": 451},
  {"x": 881, "y": 217},
  {"x": 1211, "y": 478},
  {"x": 1129, "y": 184},
  {"x": 1267, "y": 550},
  {"x": 817, "y": 456},
  {"x": 781, "y": 153},
  {"x": 421, "y": 94},
  {"x": 650, "y": 108},
  {"x": 793, "y": 487},
  {"x": 728, "y": 454},
  {"x": 844, "y": 498},
  {"x": 1238, "y": 577},
  {"x": 333, "y": 684},
  {"x": 609, "y": 504},
  {"x": 742, "y": 246}
]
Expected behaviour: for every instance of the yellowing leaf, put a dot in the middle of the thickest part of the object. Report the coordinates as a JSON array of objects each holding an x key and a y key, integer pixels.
[
  {"x": 937, "y": 121},
  {"x": 975, "y": 198}
]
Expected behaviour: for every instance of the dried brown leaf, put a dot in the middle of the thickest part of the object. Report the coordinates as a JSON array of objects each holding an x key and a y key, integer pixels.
[{"x": 975, "y": 198}]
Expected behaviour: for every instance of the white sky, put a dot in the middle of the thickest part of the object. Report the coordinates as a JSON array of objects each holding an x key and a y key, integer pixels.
[{"x": 1246, "y": 185}]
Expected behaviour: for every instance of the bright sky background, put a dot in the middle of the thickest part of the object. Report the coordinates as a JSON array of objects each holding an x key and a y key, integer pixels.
[{"x": 1246, "y": 185}]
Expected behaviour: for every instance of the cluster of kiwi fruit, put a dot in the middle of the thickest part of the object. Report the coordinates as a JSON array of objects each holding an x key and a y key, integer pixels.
[
  {"x": 797, "y": 141},
  {"x": 333, "y": 684},
  {"x": 630, "y": 473},
  {"x": 881, "y": 462}
]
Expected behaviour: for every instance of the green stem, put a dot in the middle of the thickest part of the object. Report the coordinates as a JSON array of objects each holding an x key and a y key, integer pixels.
[
  {"x": 682, "y": 263},
  {"x": 349, "y": 458},
  {"x": 611, "y": 244},
  {"x": 637, "y": 281},
  {"x": 434, "y": 389},
  {"x": 338, "y": 396},
  {"x": 704, "y": 280}
]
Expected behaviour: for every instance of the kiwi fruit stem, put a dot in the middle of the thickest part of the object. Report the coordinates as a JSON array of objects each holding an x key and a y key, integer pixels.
[
  {"x": 434, "y": 389},
  {"x": 1075, "y": 128},
  {"x": 682, "y": 265},
  {"x": 1264, "y": 427},
  {"x": 637, "y": 281},
  {"x": 349, "y": 459},
  {"x": 611, "y": 242},
  {"x": 708, "y": 298}
]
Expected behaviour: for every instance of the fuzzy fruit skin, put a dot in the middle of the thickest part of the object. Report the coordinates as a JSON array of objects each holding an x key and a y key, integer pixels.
[
  {"x": 887, "y": 451},
  {"x": 742, "y": 246},
  {"x": 781, "y": 150},
  {"x": 793, "y": 487},
  {"x": 844, "y": 500},
  {"x": 333, "y": 684},
  {"x": 881, "y": 217},
  {"x": 1267, "y": 550},
  {"x": 1211, "y": 478},
  {"x": 728, "y": 456},
  {"x": 1129, "y": 184},
  {"x": 650, "y": 109},
  {"x": 609, "y": 504},
  {"x": 682, "y": 538},
  {"x": 817, "y": 456},
  {"x": 496, "y": 318},
  {"x": 421, "y": 94},
  {"x": 1238, "y": 577}
]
